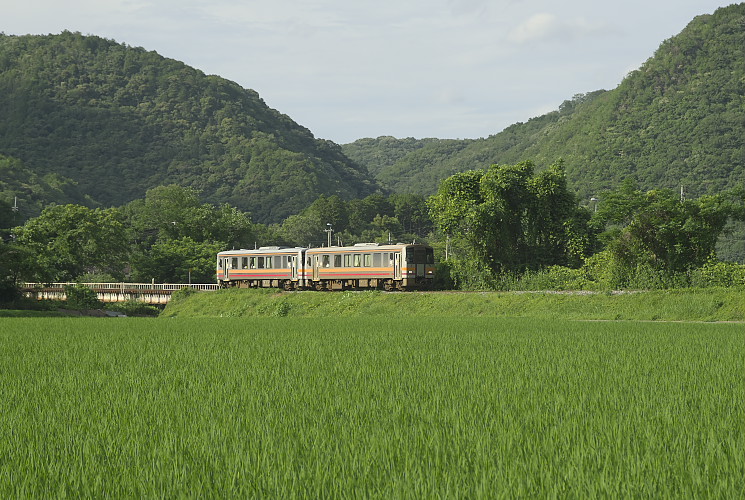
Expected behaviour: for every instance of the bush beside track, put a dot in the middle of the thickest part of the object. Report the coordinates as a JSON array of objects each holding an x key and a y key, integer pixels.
[{"x": 710, "y": 304}]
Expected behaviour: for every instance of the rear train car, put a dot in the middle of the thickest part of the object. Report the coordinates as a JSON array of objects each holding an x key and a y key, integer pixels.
[
  {"x": 362, "y": 266},
  {"x": 265, "y": 267}
]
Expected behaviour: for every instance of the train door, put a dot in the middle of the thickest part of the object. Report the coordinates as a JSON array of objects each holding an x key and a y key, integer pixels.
[
  {"x": 397, "y": 265},
  {"x": 420, "y": 265},
  {"x": 293, "y": 267},
  {"x": 316, "y": 267},
  {"x": 226, "y": 268}
]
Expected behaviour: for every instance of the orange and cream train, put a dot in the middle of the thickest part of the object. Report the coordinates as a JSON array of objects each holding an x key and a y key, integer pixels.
[{"x": 362, "y": 266}]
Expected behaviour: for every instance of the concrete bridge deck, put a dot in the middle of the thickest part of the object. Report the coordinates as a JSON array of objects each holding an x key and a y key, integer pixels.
[{"x": 150, "y": 293}]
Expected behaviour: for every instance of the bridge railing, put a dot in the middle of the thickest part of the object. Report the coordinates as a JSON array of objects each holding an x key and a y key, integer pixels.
[{"x": 150, "y": 287}]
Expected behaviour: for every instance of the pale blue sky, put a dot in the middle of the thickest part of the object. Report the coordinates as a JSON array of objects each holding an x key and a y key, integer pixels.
[{"x": 408, "y": 68}]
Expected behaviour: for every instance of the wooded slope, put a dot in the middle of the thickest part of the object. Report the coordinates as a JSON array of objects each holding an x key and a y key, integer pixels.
[
  {"x": 118, "y": 120},
  {"x": 677, "y": 120}
]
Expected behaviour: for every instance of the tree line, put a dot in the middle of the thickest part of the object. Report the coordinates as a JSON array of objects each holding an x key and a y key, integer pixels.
[{"x": 506, "y": 226}]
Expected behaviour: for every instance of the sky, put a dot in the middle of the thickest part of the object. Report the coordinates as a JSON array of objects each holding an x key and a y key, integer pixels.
[{"x": 349, "y": 69}]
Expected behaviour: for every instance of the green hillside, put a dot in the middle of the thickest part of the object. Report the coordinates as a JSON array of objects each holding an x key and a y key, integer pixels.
[
  {"x": 114, "y": 120},
  {"x": 677, "y": 120},
  {"x": 32, "y": 191}
]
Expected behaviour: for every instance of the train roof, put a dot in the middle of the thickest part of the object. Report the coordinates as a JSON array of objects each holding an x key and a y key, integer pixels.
[
  {"x": 364, "y": 247},
  {"x": 358, "y": 247},
  {"x": 261, "y": 251}
]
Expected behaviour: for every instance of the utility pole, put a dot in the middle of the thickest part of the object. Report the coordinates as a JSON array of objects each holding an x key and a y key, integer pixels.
[
  {"x": 328, "y": 232},
  {"x": 14, "y": 209}
]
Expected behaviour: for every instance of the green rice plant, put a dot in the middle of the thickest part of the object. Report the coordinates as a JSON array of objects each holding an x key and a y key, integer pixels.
[{"x": 376, "y": 407}]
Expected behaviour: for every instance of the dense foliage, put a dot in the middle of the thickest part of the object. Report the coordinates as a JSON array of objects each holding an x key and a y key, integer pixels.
[
  {"x": 509, "y": 219},
  {"x": 508, "y": 228},
  {"x": 65, "y": 241},
  {"x": 677, "y": 120},
  {"x": 376, "y": 218},
  {"x": 118, "y": 120}
]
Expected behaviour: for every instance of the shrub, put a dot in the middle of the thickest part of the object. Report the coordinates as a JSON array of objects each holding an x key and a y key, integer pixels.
[
  {"x": 81, "y": 297},
  {"x": 718, "y": 273},
  {"x": 9, "y": 292},
  {"x": 182, "y": 294},
  {"x": 134, "y": 308},
  {"x": 555, "y": 278}
]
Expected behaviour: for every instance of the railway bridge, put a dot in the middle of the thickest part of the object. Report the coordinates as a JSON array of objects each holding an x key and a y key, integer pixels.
[{"x": 149, "y": 293}]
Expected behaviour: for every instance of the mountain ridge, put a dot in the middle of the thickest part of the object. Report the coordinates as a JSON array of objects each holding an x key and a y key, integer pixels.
[
  {"x": 677, "y": 120},
  {"x": 117, "y": 120}
]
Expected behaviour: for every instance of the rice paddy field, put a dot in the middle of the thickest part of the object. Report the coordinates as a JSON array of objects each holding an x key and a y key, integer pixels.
[{"x": 376, "y": 407}]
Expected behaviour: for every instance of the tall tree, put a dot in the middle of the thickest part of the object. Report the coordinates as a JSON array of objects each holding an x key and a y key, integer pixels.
[
  {"x": 70, "y": 240},
  {"x": 670, "y": 234},
  {"x": 174, "y": 212},
  {"x": 509, "y": 219}
]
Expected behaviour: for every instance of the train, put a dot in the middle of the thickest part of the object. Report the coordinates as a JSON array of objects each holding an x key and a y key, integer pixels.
[{"x": 362, "y": 266}]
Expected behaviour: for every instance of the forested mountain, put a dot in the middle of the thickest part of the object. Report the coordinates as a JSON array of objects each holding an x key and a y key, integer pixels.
[
  {"x": 109, "y": 121},
  {"x": 87, "y": 120},
  {"x": 677, "y": 120}
]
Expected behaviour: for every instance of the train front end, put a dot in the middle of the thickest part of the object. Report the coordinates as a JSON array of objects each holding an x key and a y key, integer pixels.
[{"x": 418, "y": 267}]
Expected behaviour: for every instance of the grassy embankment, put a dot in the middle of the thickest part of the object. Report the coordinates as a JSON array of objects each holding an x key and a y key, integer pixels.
[{"x": 666, "y": 305}]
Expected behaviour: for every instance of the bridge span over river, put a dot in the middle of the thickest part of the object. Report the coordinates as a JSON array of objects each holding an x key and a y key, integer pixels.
[{"x": 150, "y": 293}]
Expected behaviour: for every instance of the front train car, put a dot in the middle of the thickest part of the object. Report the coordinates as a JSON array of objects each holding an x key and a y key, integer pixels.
[{"x": 371, "y": 265}]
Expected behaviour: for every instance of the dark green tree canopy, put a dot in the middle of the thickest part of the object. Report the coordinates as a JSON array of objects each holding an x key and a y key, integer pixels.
[
  {"x": 671, "y": 234},
  {"x": 66, "y": 241},
  {"x": 511, "y": 219}
]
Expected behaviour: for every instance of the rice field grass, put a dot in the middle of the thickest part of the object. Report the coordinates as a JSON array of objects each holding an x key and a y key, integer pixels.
[{"x": 388, "y": 407}]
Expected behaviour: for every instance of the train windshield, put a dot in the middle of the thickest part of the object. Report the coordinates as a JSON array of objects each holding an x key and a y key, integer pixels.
[{"x": 420, "y": 255}]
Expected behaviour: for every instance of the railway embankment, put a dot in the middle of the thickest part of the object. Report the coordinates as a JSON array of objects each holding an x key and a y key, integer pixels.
[{"x": 709, "y": 305}]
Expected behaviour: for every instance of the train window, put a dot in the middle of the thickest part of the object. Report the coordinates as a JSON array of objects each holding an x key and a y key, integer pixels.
[
  {"x": 430, "y": 256},
  {"x": 416, "y": 255},
  {"x": 277, "y": 262},
  {"x": 244, "y": 262},
  {"x": 253, "y": 263},
  {"x": 308, "y": 263},
  {"x": 368, "y": 260},
  {"x": 337, "y": 260},
  {"x": 348, "y": 260},
  {"x": 261, "y": 263},
  {"x": 377, "y": 259},
  {"x": 269, "y": 262},
  {"x": 390, "y": 259},
  {"x": 357, "y": 260},
  {"x": 285, "y": 261},
  {"x": 219, "y": 263},
  {"x": 326, "y": 260},
  {"x": 234, "y": 263}
]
